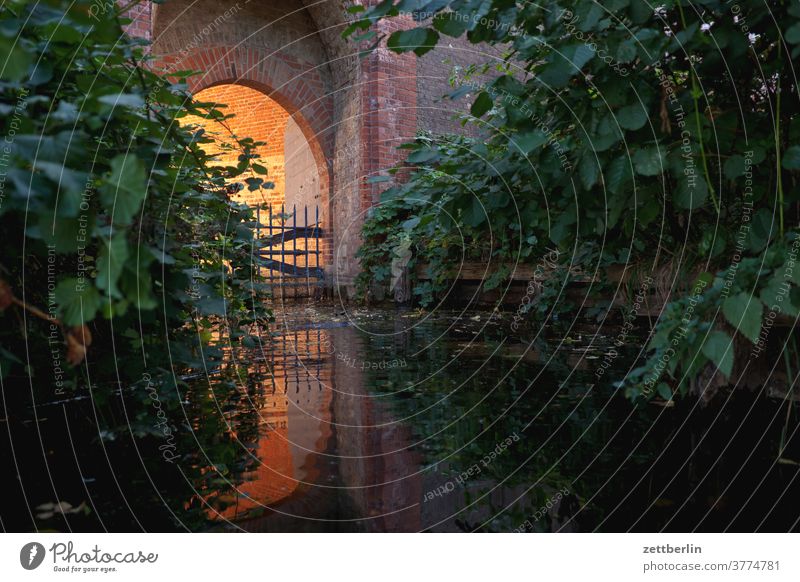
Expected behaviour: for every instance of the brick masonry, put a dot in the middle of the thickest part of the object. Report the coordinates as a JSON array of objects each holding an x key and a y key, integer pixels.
[
  {"x": 256, "y": 116},
  {"x": 288, "y": 54}
]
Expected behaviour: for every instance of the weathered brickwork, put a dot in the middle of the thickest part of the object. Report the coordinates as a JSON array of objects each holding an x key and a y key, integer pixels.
[
  {"x": 436, "y": 113},
  {"x": 352, "y": 111},
  {"x": 256, "y": 116}
]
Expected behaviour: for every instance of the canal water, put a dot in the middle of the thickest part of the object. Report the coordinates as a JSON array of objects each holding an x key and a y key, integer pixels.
[
  {"x": 398, "y": 420},
  {"x": 406, "y": 421}
]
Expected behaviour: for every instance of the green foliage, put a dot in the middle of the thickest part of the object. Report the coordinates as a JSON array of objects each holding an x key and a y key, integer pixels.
[
  {"x": 719, "y": 349},
  {"x": 446, "y": 222},
  {"x": 114, "y": 218},
  {"x": 643, "y": 132}
]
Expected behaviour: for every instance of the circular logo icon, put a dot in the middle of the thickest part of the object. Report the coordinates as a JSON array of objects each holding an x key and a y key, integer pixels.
[{"x": 31, "y": 555}]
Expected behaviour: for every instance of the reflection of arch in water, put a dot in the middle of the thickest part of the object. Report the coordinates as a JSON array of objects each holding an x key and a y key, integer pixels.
[
  {"x": 341, "y": 439},
  {"x": 293, "y": 404}
]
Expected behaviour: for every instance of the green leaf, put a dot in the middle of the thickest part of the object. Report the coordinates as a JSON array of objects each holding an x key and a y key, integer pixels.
[
  {"x": 111, "y": 262},
  {"x": 734, "y": 167},
  {"x": 632, "y": 117},
  {"x": 211, "y": 306},
  {"x": 474, "y": 215},
  {"x": 777, "y": 293},
  {"x": 130, "y": 100},
  {"x": 618, "y": 173},
  {"x": 588, "y": 170},
  {"x": 253, "y": 184},
  {"x": 691, "y": 196},
  {"x": 14, "y": 60},
  {"x": 718, "y": 348},
  {"x": 792, "y": 34},
  {"x": 744, "y": 313},
  {"x": 791, "y": 158},
  {"x": 65, "y": 233},
  {"x": 420, "y": 40},
  {"x": 664, "y": 391},
  {"x": 411, "y": 223},
  {"x": 71, "y": 185},
  {"x": 124, "y": 189},
  {"x": 529, "y": 140},
  {"x": 648, "y": 161},
  {"x": 423, "y": 155},
  {"x": 450, "y": 23},
  {"x": 626, "y": 51},
  {"x": 559, "y": 70},
  {"x": 136, "y": 282},
  {"x": 483, "y": 103},
  {"x": 77, "y": 302},
  {"x": 762, "y": 228}
]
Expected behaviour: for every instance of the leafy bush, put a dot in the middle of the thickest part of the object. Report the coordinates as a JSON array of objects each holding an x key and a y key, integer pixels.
[
  {"x": 660, "y": 138},
  {"x": 123, "y": 255}
]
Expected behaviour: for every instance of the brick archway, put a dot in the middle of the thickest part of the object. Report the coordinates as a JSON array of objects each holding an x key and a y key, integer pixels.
[
  {"x": 302, "y": 95},
  {"x": 353, "y": 111}
]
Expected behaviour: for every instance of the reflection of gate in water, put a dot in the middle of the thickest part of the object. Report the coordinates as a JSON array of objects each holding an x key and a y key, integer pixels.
[
  {"x": 292, "y": 400},
  {"x": 289, "y": 249}
]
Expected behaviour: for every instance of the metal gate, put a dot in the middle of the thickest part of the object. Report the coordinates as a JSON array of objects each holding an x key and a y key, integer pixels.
[{"x": 289, "y": 249}]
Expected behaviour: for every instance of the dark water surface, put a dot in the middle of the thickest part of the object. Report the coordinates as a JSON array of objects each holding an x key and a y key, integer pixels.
[{"x": 388, "y": 420}]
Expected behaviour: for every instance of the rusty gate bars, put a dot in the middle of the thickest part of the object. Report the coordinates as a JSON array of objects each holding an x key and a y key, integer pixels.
[
  {"x": 277, "y": 258},
  {"x": 308, "y": 274}
]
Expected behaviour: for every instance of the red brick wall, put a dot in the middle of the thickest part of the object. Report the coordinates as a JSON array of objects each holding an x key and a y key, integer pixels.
[
  {"x": 439, "y": 115},
  {"x": 140, "y": 14},
  {"x": 353, "y": 112},
  {"x": 256, "y": 116},
  {"x": 390, "y": 109}
]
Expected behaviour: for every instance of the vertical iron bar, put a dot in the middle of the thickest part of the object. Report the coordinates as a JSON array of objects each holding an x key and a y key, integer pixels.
[
  {"x": 271, "y": 290},
  {"x": 316, "y": 238},
  {"x": 297, "y": 361},
  {"x": 308, "y": 249},
  {"x": 294, "y": 243},
  {"x": 257, "y": 241},
  {"x": 283, "y": 245}
]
